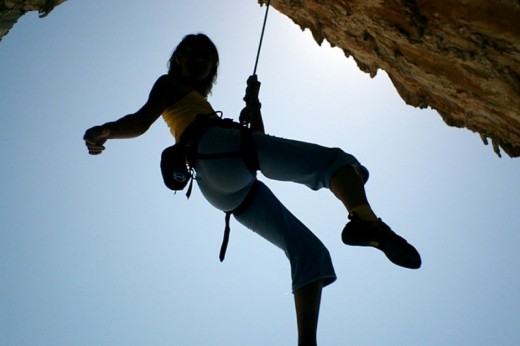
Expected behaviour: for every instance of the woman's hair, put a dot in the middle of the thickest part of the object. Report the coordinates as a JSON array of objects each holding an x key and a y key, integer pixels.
[{"x": 204, "y": 87}]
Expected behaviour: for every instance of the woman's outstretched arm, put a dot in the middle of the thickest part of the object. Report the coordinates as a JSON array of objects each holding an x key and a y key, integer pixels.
[{"x": 132, "y": 125}]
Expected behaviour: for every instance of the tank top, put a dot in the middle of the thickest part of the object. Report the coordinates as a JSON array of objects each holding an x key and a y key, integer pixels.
[{"x": 182, "y": 113}]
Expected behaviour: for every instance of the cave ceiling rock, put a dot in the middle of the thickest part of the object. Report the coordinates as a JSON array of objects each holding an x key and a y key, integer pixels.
[{"x": 459, "y": 57}]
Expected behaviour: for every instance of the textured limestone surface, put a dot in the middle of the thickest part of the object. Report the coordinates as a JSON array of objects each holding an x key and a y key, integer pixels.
[{"x": 459, "y": 57}]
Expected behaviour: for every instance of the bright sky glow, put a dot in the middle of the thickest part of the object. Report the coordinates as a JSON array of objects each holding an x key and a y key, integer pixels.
[{"x": 96, "y": 251}]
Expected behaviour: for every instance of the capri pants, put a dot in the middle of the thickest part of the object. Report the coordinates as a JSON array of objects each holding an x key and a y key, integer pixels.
[{"x": 225, "y": 182}]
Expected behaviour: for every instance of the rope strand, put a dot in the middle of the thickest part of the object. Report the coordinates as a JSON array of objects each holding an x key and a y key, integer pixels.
[{"x": 262, "y": 36}]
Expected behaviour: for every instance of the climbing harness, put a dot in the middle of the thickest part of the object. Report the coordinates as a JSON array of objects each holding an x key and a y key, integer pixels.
[{"x": 178, "y": 160}]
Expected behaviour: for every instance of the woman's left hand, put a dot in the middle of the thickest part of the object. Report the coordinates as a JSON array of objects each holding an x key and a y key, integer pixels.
[{"x": 95, "y": 137}]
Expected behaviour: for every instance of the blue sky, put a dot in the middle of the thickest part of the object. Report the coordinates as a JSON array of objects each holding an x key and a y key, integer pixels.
[{"x": 96, "y": 251}]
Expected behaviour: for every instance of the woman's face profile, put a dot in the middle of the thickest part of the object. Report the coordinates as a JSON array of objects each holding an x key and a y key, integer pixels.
[{"x": 195, "y": 61}]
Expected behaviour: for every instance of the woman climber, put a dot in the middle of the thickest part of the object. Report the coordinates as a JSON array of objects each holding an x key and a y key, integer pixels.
[{"x": 226, "y": 182}]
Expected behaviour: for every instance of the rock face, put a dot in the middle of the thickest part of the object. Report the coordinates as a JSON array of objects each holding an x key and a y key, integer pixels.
[
  {"x": 460, "y": 57},
  {"x": 11, "y": 10}
]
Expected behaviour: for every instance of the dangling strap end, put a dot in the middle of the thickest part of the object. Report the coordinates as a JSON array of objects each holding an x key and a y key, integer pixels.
[
  {"x": 225, "y": 241},
  {"x": 190, "y": 187}
]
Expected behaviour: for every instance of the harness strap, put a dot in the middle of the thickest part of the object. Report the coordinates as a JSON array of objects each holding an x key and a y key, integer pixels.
[
  {"x": 237, "y": 211},
  {"x": 225, "y": 241}
]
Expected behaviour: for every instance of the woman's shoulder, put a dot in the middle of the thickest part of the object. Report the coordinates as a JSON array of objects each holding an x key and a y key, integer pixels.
[
  {"x": 169, "y": 82},
  {"x": 170, "y": 88}
]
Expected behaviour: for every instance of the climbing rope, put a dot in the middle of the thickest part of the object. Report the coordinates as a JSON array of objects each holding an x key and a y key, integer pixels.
[
  {"x": 262, "y": 36},
  {"x": 253, "y": 86}
]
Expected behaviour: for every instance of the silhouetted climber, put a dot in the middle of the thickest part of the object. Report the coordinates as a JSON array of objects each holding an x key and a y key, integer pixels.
[{"x": 227, "y": 181}]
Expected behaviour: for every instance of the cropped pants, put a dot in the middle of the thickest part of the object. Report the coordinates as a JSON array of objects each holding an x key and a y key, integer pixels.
[{"x": 225, "y": 183}]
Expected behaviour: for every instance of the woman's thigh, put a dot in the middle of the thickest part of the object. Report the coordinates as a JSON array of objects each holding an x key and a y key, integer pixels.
[{"x": 300, "y": 162}]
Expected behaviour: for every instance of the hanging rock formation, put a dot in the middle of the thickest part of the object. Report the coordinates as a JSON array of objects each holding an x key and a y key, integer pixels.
[
  {"x": 11, "y": 10},
  {"x": 459, "y": 57}
]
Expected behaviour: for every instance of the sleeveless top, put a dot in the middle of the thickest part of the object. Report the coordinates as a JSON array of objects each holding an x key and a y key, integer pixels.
[{"x": 184, "y": 112}]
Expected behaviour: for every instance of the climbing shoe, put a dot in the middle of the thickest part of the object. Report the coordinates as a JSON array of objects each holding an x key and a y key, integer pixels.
[{"x": 377, "y": 234}]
